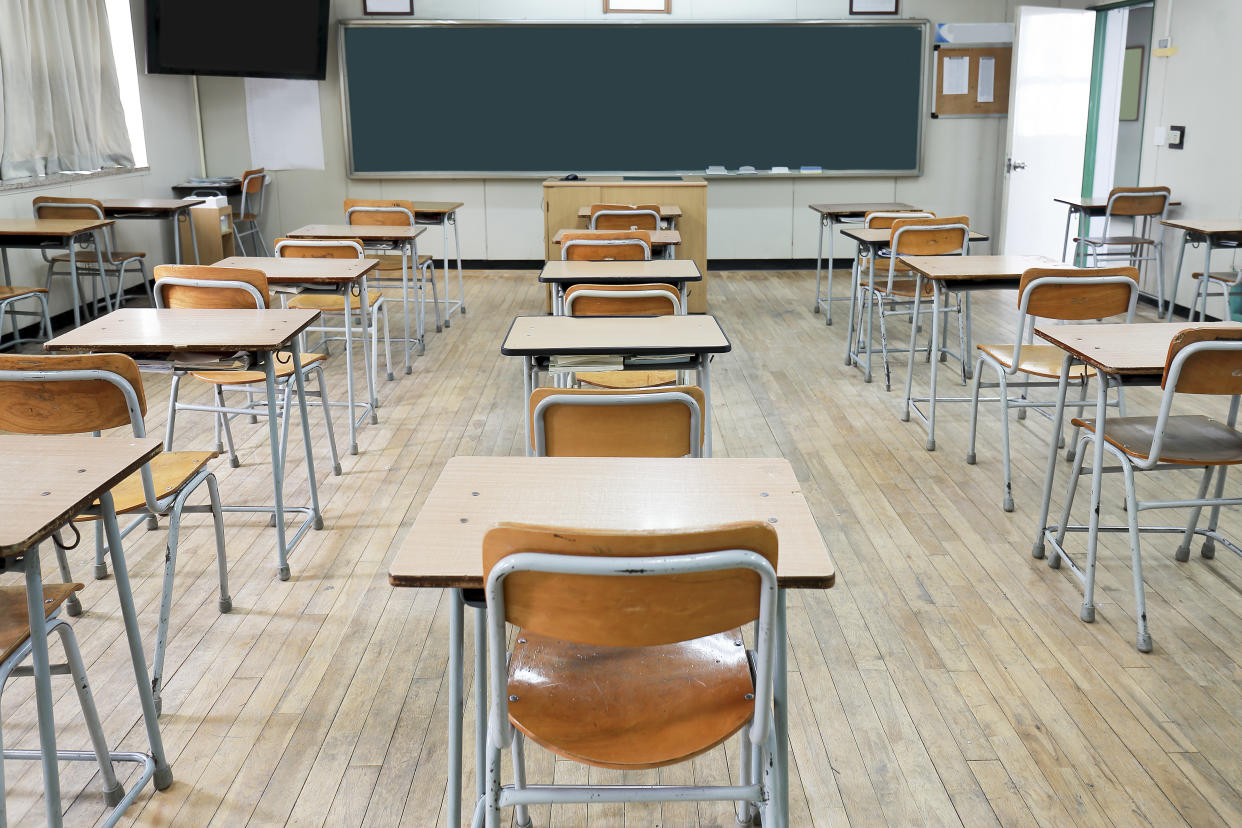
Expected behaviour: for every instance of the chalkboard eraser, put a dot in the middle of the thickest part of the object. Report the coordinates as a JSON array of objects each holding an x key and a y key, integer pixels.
[
  {"x": 806, "y": 170},
  {"x": 716, "y": 169},
  {"x": 779, "y": 170},
  {"x": 746, "y": 169}
]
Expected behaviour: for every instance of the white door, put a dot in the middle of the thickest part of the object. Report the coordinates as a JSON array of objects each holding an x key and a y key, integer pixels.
[{"x": 1051, "y": 89}]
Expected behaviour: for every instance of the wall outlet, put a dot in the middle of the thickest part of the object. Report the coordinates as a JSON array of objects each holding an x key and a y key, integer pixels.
[{"x": 1177, "y": 137}]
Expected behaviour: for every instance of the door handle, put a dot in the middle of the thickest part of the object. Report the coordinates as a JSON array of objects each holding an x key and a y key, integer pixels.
[{"x": 1011, "y": 165}]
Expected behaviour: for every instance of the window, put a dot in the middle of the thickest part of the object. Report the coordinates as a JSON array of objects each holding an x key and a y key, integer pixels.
[{"x": 121, "y": 27}]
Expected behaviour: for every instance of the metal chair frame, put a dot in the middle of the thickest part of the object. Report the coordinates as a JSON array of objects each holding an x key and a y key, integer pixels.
[
  {"x": 103, "y": 242},
  {"x": 651, "y": 213},
  {"x": 759, "y": 787},
  {"x": 1127, "y": 466},
  {"x": 653, "y": 293},
  {"x": 605, "y": 243},
  {"x": 1203, "y": 293},
  {"x": 257, "y": 211},
  {"x": 696, "y": 414},
  {"x": 45, "y": 321},
  {"x": 1131, "y": 254}
]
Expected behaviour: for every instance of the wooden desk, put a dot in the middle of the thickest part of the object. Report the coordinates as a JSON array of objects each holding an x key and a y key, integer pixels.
[
  {"x": 162, "y": 334},
  {"x": 1213, "y": 234},
  {"x": 49, "y": 480},
  {"x": 830, "y": 215},
  {"x": 684, "y": 342},
  {"x": 444, "y": 546},
  {"x": 338, "y": 276},
  {"x": 444, "y": 213},
  {"x": 562, "y": 201},
  {"x": 49, "y": 234},
  {"x": 658, "y": 237},
  {"x": 1088, "y": 206},
  {"x": 158, "y": 209},
  {"x": 957, "y": 274},
  {"x": 561, "y": 274}
]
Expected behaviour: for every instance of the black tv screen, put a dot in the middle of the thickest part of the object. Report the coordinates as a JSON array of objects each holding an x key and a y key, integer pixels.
[{"x": 254, "y": 38}]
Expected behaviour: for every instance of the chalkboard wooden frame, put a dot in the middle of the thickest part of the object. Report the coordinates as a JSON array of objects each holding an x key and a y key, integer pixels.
[{"x": 814, "y": 86}]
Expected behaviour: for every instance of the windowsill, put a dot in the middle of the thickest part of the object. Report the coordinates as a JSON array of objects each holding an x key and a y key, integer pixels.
[{"x": 54, "y": 179}]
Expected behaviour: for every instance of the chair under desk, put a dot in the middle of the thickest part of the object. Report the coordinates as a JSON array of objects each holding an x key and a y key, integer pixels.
[
  {"x": 444, "y": 214},
  {"x": 830, "y": 215},
  {"x": 157, "y": 209},
  {"x": 49, "y": 234},
  {"x": 562, "y": 274},
  {"x": 1213, "y": 234}
]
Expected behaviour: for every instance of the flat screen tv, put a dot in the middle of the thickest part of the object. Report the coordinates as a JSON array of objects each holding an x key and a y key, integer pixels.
[{"x": 254, "y": 38}]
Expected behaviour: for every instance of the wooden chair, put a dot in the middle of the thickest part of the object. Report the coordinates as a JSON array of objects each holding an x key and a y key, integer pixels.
[
  {"x": 629, "y": 655},
  {"x": 600, "y": 246},
  {"x": 400, "y": 213},
  {"x": 1065, "y": 295},
  {"x": 94, "y": 393},
  {"x": 1226, "y": 281},
  {"x": 10, "y": 296},
  {"x": 655, "y": 299},
  {"x": 250, "y": 211},
  {"x": 650, "y": 422},
  {"x": 101, "y": 259},
  {"x": 1201, "y": 361},
  {"x": 625, "y": 217},
  {"x": 204, "y": 286},
  {"x": 1145, "y": 208},
  {"x": 894, "y": 292},
  {"x": 334, "y": 302}
]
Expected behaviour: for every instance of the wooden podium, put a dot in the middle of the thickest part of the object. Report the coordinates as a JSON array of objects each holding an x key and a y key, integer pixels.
[{"x": 563, "y": 199}]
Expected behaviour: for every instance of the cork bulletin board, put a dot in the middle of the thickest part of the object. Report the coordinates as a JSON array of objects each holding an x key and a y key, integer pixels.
[{"x": 971, "y": 80}]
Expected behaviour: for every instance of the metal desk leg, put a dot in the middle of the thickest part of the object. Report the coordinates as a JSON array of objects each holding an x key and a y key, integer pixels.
[
  {"x": 299, "y": 384},
  {"x": 1058, "y": 427},
  {"x": 528, "y": 377},
  {"x": 43, "y": 686},
  {"x": 453, "y": 802},
  {"x": 1093, "y": 519},
  {"x": 937, "y": 300},
  {"x": 705, "y": 382},
  {"x": 163, "y": 776},
  {"x": 851, "y": 325},
  {"x": 1069, "y": 218},
  {"x": 370, "y": 355},
  {"x": 461, "y": 282},
  {"x": 1177, "y": 275},
  {"x": 405, "y": 301},
  {"x": 73, "y": 280},
  {"x": 1205, "y": 282},
  {"x": 819, "y": 263},
  {"x": 278, "y": 471},
  {"x": 780, "y": 710},
  {"x": 918, "y": 295},
  {"x": 349, "y": 373},
  {"x": 480, "y": 701}
]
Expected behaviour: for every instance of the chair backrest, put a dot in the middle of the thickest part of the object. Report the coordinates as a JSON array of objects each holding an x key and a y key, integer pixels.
[
  {"x": 1074, "y": 294},
  {"x": 1204, "y": 360},
  {"x": 625, "y": 217},
  {"x": 67, "y": 207},
  {"x": 606, "y": 246},
  {"x": 252, "y": 191},
  {"x": 946, "y": 235},
  {"x": 626, "y": 611},
  {"x": 379, "y": 212},
  {"x": 96, "y": 399},
  {"x": 647, "y": 422},
  {"x": 319, "y": 248},
  {"x": 883, "y": 219},
  {"x": 1137, "y": 201},
  {"x": 655, "y": 299},
  {"x": 238, "y": 288}
]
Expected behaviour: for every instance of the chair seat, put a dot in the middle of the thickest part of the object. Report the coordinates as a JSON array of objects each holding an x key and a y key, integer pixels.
[
  {"x": 19, "y": 290},
  {"x": 389, "y": 262},
  {"x": 903, "y": 287},
  {"x": 1126, "y": 241},
  {"x": 1039, "y": 360},
  {"x": 90, "y": 257},
  {"x": 170, "y": 470},
  {"x": 284, "y": 368},
  {"x": 627, "y": 379},
  {"x": 1189, "y": 439},
  {"x": 331, "y": 301},
  {"x": 630, "y": 707},
  {"x": 15, "y": 619},
  {"x": 245, "y": 217}
]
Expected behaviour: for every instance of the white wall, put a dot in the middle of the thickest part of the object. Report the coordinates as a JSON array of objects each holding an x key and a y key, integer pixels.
[
  {"x": 746, "y": 219},
  {"x": 172, "y": 149}
]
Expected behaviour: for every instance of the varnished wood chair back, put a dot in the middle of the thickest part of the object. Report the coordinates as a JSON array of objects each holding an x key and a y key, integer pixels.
[
  {"x": 938, "y": 239},
  {"x": 616, "y": 250},
  {"x": 622, "y": 300},
  {"x": 253, "y": 181},
  {"x": 1208, "y": 371},
  {"x": 68, "y": 406},
  {"x": 1076, "y": 302},
  {"x": 633, "y": 429},
  {"x": 629, "y": 611},
  {"x": 1137, "y": 205},
  {"x": 193, "y": 296},
  {"x": 319, "y": 248},
  {"x": 67, "y": 207},
  {"x": 883, "y": 219},
  {"x": 637, "y": 217},
  {"x": 387, "y": 218}
]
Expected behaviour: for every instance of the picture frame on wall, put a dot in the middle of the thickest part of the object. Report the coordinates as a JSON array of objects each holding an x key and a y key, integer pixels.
[
  {"x": 874, "y": 6},
  {"x": 638, "y": 6},
  {"x": 385, "y": 7}
]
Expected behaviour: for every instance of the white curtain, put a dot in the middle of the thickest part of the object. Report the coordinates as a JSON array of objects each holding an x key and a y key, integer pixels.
[{"x": 60, "y": 103}]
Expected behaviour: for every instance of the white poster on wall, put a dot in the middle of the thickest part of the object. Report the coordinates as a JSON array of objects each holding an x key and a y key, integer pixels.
[{"x": 282, "y": 117}]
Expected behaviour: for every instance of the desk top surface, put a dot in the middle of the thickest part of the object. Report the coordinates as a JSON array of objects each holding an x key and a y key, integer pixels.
[
  {"x": 652, "y": 335},
  {"x": 981, "y": 268},
  {"x": 366, "y": 232},
  {"x": 881, "y": 235},
  {"x": 444, "y": 546},
  {"x": 49, "y": 479},
  {"x": 1138, "y": 348},
  {"x": 161, "y": 330},
  {"x": 439, "y": 207},
  {"x": 1094, "y": 203},
  {"x": 858, "y": 209},
  {"x": 1207, "y": 227},
  {"x": 665, "y": 211},
  {"x": 121, "y": 206},
  {"x": 281, "y": 270},
  {"x": 49, "y": 228},
  {"x": 657, "y": 236},
  {"x": 656, "y": 270}
]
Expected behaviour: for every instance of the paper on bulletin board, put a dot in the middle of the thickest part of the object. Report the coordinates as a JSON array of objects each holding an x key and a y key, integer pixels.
[
  {"x": 987, "y": 80},
  {"x": 283, "y": 120},
  {"x": 956, "y": 75}
]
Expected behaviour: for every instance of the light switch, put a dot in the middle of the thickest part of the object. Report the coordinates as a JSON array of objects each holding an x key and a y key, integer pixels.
[{"x": 1177, "y": 137}]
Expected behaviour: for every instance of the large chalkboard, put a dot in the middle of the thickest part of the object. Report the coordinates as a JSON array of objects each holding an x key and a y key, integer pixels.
[{"x": 544, "y": 98}]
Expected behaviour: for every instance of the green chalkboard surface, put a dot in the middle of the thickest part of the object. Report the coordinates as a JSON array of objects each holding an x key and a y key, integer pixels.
[{"x": 545, "y": 98}]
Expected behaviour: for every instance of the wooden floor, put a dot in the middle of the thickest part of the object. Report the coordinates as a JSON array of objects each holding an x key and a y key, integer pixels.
[{"x": 945, "y": 679}]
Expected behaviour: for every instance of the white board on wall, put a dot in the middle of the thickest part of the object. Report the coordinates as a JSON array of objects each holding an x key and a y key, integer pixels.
[{"x": 282, "y": 117}]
